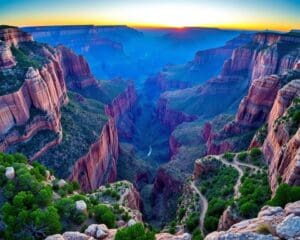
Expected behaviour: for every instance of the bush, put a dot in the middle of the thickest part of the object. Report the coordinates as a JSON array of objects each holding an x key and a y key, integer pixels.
[
  {"x": 104, "y": 214},
  {"x": 248, "y": 209},
  {"x": 229, "y": 156},
  {"x": 255, "y": 153},
  {"x": 192, "y": 222},
  {"x": 137, "y": 232},
  {"x": 242, "y": 156},
  {"x": 211, "y": 223},
  {"x": 197, "y": 235},
  {"x": 265, "y": 228},
  {"x": 181, "y": 213},
  {"x": 285, "y": 194}
]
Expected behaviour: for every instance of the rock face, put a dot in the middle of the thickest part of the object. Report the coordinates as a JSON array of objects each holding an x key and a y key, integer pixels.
[
  {"x": 205, "y": 64},
  {"x": 76, "y": 69},
  {"x": 122, "y": 103},
  {"x": 6, "y": 58},
  {"x": 43, "y": 90},
  {"x": 166, "y": 186},
  {"x": 169, "y": 117},
  {"x": 98, "y": 166},
  {"x": 277, "y": 221},
  {"x": 270, "y": 67},
  {"x": 13, "y": 35},
  {"x": 281, "y": 147},
  {"x": 36, "y": 106}
]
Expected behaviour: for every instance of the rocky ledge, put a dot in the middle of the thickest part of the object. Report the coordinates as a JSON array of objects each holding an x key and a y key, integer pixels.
[{"x": 271, "y": 223}]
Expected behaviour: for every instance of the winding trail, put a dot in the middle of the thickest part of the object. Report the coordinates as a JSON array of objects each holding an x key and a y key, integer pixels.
[
  {"x": 235, "y": 164},
  {"x": 204, "y": 206}
]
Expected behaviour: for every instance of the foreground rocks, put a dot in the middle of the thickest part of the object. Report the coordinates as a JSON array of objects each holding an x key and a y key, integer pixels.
[
  {"x": 100, "y": 231},
  {"x": 271, "y": 223}
]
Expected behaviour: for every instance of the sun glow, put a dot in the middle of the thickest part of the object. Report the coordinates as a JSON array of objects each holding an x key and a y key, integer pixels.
[{"x": 167, "y": 13}]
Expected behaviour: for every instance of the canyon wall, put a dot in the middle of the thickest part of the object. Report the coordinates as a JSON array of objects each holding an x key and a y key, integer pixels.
[
  {"x": 36, "y": 104},
  {"x": 99, "y": 165},
  {"x": 122, "y": 103},
  {"x": 281, "y": 147},
  {"x": 170, "y": 117},
  {"x": 76, "y": 69},
  {"x": 272, "y": 60},
  {"x": 205, "y": 64}
]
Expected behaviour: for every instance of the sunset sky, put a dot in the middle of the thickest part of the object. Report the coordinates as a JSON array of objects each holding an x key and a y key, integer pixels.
[{"x": 246, "y": 14}]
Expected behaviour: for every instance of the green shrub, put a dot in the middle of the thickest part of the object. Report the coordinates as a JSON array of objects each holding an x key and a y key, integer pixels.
[
  {"x": 296, "y": 117},
  {"x": 242, "y": 156},
  {"x": 181, "y": 213},
  {"x": 248, "y": 209},
  {"x": 229, "y": 156},
  {"x": 255, "y": 153},
  {"x": 192, "y": 222},
  {"x": 197, "y": 235},
  {"x": 211, "y": 223},
  {"x": 136, "y": 231},
  {"x": 285, "y": 194},
  {"x": 104, "y": 214}
]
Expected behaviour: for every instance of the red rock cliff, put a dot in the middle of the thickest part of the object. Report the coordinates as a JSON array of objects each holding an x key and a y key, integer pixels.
[
  {"x": 76, "y": 69},
  {"x": 122, "y": 103},
  {"x": 43, "y": 90},
  {"x": 281, "y": 147},
  {"x": 99, "y": 165},
  {"x": 169, "y": 117},
  {"x": 267, "y": 55}
]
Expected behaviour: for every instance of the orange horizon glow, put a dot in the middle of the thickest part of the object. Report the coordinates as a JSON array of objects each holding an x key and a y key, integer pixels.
[{"x": 230, "y": 14}]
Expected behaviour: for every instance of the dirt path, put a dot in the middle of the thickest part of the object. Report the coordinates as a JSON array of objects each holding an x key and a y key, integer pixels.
[
  {"x": 235, "y": 164},
  {"x": 204, "y": 206}
]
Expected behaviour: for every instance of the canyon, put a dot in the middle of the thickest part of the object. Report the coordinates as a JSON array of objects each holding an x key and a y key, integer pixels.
[{"x": 238, "y": 98}]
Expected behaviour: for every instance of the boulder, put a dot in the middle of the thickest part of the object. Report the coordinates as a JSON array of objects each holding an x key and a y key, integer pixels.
[
  {"x": 292, "y": 208},
  {"x": 81, "y": 206},
  {"x": 168, "y": 236},
  {"x": 289, "y": 228},
  {"x": 131, "y": 222},
  {"x": 55, "y": 237},
  {"x": 121, "y": 223},
  {"x": 270, "y": 211},
  {"x": 61, "y": 183},
  {"x": 10, "y": 173},
  {"x": 76, "y": 236},
  {"x": 239, "y": 236},
  {"x": 97, "y": 231}
]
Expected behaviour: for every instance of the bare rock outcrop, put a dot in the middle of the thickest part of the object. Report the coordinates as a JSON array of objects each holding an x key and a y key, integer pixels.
[
  {"x": 76, "y": 69},
  {"x": 281, "y": 147},
  {"x": 279, "y": 224},
  {"x": 99, "y": 165},
  {"x": 7, "y": 60}
]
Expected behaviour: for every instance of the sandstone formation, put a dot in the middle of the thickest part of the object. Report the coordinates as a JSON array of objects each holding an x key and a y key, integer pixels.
[
  {"x": 76, "y": 70},
  {"x": 98, "y": 166},
  {"x": 43, "y": 91},
  {"x": 7, "y": 60},
  {"x": 13, "y": 36},
  {"x": 36, "y": 106},
  {"x": 271, "y": 223},
  {"x": 281, "y": 145},
  {"x": 122, "y": 103},
  {"x": 171, "y": 118},
  {"x": 205, "y": 64}
]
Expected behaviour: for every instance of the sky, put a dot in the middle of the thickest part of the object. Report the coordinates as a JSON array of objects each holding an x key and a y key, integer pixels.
[{"x": 238, "y": 14}]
